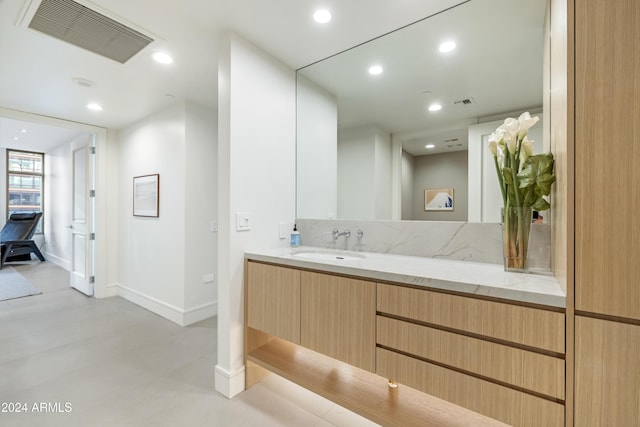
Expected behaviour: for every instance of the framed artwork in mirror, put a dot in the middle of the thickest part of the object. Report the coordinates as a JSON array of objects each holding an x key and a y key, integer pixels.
[
  {"x": 438, "y": 199},
  {"x": 146, "y": 195}
]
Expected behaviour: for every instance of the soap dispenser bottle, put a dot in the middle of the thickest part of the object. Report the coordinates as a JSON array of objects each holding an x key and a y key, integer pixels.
[{"x": 295, "y": 237}]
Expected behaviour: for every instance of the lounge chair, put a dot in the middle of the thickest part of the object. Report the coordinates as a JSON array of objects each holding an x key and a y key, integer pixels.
[{"x": 16, "y": 235}]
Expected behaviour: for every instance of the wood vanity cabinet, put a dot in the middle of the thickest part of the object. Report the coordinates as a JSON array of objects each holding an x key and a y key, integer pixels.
[
  {"x": 338, "y": 318},
  {"x": 329, "y": 314},
  {"x": 502, "y": 360}
]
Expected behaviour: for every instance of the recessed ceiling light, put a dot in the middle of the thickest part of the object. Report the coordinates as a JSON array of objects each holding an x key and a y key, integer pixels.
[
  {"x": 322, "y": 16},
  {"x": 447, "y": 46},
  {"x": 162, "y": 57},
  {"x": 435, "y": 107},
  {"x": 430, "y": 146},
  {"x": 94, "y": 106},
  {"x": 15, "y": 138},
  {"x": 375, "y": 70},
  {"x": 23, "y": 130}
]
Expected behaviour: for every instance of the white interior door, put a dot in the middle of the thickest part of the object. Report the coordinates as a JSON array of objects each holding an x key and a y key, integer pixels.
[{"x": 82, "y": 216}]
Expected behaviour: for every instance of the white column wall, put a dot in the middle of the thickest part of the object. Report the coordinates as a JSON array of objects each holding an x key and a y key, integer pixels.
[{"x": 256, "y": 166}]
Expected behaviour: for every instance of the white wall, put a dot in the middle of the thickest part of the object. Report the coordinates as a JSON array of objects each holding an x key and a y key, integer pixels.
[
  {"x": 382, "y": 175},
  {"x": 154, "y": 252},
  {"x": 256, "y": 167},
  {"x": 201, "y": 207},
  {"x": 407, "y": 185},
  {"x": 364, "y": 174},
  {"x": 317, "y": 156}
]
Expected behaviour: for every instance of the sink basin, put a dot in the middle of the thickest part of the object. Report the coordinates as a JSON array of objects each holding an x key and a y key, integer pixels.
[{"x": 328, "y": 255}]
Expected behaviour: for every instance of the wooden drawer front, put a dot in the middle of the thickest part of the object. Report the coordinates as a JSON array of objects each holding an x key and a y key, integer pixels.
[
  {"x": 523, "y": 325},
  {"x": 339, "y": 318},
  {"x": 501, "y": 403},
  {"x": 273, "y": 300},
  {"x": 607, "y": 373},
  {"x": 522, "y": 368}
]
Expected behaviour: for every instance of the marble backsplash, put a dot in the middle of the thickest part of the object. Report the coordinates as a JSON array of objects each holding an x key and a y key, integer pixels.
[{"x": 477, "y": 242}]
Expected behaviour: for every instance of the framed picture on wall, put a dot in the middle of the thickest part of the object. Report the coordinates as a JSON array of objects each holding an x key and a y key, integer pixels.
[
  {"x": 438, "y": 200},
  {"x": 146, "y": 195}
]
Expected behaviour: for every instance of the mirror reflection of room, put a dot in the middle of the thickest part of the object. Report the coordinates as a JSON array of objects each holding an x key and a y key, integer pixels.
[{"x": 382, "y": 124}]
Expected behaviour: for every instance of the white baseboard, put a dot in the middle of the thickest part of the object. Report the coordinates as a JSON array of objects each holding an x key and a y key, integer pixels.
[
  {"x": 196, "y": 314},
  {"x": 62, "y": 263},
  {"x": 110, "y": 291},
  {"x": 228, "y": 383},
  {"x": 168, "y": 311}
]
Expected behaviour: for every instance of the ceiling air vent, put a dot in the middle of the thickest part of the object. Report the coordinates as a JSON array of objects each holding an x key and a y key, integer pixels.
[
  {"x": 77, "y": 24},
  {"x": 465, "y": 101}
]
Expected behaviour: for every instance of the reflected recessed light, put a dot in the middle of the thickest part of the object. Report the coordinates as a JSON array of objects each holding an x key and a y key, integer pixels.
[
  {"x": 435, "y": 107},
  {"x": 23, "y": 130},
  {"x": 375, "y": 70},
  {"x": 93, "y": 106},
  {"x": 15, "y": 138},
  {"x": 429, "y": 146},
  {"x": 447, "y": 46},
  {"x": 162, "y": 57},
  {"x": 322, "y": 16}
]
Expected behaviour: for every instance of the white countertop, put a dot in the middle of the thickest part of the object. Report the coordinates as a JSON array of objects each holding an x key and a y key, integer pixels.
[{"x": 460, "y": 276}]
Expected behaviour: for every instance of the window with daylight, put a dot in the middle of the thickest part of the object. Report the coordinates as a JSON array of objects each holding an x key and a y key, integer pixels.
[{"x": 25, "y": 183}]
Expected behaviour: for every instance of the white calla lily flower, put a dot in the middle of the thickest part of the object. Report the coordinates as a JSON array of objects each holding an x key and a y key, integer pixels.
[{"x": 525, "y": 122}]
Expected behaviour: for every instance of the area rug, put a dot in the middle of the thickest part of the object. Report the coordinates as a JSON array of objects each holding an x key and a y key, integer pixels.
[{"x": 14, "y": 285}]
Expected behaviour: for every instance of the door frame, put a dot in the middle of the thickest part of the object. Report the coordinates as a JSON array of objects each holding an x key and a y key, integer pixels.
[{"x": 101, "y": 212}]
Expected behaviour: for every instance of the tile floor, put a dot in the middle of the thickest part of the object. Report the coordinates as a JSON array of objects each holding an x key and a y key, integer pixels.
[{"x": 113, "y": 363}]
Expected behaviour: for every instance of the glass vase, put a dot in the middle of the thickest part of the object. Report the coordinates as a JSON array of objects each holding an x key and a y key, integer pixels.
[{"x": 516, "y": 229}]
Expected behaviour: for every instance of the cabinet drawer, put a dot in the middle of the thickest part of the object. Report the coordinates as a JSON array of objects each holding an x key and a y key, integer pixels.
[
  {"x": 273, "y": 300},
  {"x": 501, "y": 403},
  {"x": 532, "y": 371},
  {"x": 522, "y": 325}
]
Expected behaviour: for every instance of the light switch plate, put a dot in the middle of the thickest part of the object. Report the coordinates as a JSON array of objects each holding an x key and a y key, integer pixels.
[
  {"x": 243, "y": 221},
  {"x": 282, "y": 231}
]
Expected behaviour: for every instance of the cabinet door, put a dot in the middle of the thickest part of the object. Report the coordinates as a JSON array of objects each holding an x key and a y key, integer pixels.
[
  {"x": 607, "y": 373},
  {"x": 273, "y": 300},
  {"x": 338, "y": 318},
  {"x": 607, "y": 157}
]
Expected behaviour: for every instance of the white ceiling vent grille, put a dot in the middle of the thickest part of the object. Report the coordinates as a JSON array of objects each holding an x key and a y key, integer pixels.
[
  {"x": 77, "y": 24},
  {"x": 465, "y": 101}
]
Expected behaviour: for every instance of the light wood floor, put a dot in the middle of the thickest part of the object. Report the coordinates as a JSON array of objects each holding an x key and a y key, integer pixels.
[{"x": 113, "y": 363}]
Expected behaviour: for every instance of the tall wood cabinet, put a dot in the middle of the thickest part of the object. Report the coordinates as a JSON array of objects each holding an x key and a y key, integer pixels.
[{"x": 607, "y": 201}]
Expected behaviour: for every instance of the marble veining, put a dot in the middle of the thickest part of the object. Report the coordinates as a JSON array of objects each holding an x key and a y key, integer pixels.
[
  {"x": 461, "y": 241},
  {"x": 467, "y": 277}
]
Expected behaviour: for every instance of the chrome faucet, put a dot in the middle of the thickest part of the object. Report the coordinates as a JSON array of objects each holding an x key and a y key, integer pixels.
[{"x": 336, "y": 233}]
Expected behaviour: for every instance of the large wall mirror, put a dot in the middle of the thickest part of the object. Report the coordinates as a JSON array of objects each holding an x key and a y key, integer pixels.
[{"x": 371, "y": 140}]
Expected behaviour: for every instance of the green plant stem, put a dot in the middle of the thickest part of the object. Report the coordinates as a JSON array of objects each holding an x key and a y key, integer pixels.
[
  {"x": 516, "y": 186},
  {"x": 500, "y": 180}
]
